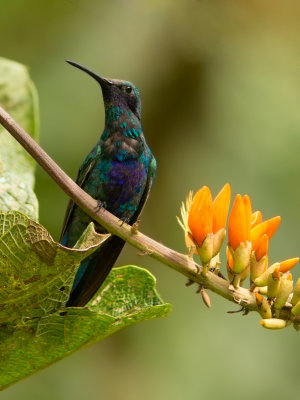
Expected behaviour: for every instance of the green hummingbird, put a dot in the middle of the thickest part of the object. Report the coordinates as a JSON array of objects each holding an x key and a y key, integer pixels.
[{"x": 119, "y": 173}]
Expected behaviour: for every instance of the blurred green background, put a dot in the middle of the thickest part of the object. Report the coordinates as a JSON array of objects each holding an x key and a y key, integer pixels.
[{"x": 220, "y": 85}]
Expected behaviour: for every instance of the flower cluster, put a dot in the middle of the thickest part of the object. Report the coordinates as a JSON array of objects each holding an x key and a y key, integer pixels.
[{"x": 204, "y": 222}]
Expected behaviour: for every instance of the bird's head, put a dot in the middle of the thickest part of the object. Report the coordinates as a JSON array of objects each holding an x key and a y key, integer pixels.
[{"x": 116, "y": 91}]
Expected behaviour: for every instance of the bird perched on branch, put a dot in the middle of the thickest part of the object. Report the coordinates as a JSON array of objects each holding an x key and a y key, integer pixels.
[{"x": 119, "y": 173}]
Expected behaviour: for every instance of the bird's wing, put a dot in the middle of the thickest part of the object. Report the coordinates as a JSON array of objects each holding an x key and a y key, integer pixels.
[
  {"x": 83, "y": 172},
  {"x": 100, "y": 263},
  {"x": 146, "y": 192}
]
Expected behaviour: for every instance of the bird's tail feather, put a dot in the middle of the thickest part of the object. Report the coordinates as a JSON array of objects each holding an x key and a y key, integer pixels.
[{"x": 95, "y": 272}]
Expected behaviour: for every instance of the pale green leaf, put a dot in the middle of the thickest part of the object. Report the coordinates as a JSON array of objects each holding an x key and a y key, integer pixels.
[
  {"x": 36, "y": 273},
  {"x": 19, "y": 98}
]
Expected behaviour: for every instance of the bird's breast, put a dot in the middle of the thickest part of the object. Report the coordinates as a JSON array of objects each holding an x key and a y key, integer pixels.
[
  {"x": 120, "y": 147},
  {"x": 120, "y": 184}
]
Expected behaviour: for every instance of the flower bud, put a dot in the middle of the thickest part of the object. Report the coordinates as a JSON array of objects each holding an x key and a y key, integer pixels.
[
  {"x": 286, "y": 265},
  {"x": 296, "y": 293},
  {"x": 218, "y": 240},
  {"x": 241, "y": 256},
  {"x": 263, "y": 290},
  {"x": 285, "y": 289},
  {"x": 262, "y": 280},
  {"x": 263, "y": 306},
  {"x": 273, "y": 323},
  {"x": 296, "y": 309},
  {"x": 257, "y": 267},
  {"x": 205, "y": 251},
  {"x": 190, "y": 243},
  {"x": 273, "y": 283}
]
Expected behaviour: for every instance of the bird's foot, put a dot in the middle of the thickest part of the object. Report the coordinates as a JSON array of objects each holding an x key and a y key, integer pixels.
[
  {"x": 100, "y": 205},
  {"x": 124, "y": 220}
]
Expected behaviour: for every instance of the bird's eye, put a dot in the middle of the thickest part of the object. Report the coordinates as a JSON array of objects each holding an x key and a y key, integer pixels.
[{"x": 128, "y": 89}]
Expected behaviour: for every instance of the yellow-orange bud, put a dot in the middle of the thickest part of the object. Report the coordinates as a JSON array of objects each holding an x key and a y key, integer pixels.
[
  {"x": 273, "y": 323},
  {"x": 285, "y": 289},
  {"x": 296, "y": 309},
  {"x": 296, "y": 293},
  {"x": 262, "y": 280},
  {"x": 286, "y": 265},
  {"x": 273, "y": 283},
  {"x": 263, "y": 306}
]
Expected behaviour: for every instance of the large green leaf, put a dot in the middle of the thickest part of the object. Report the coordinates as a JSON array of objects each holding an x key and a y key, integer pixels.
[
  {"x": 36, "y": 276},
  {"x": 36, "y": 273},
  {"x": 18, "y": 97},
  {"x": 128, "y": 297}
]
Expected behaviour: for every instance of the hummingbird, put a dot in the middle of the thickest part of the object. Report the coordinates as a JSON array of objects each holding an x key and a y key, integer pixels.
[{"x": 118, "y": 172}]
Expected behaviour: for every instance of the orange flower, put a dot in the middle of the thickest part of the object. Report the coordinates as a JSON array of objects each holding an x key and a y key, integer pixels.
[
  {"x": 260, "y": 235},
  {"x": 262, "y": 247},
  {"x": 203, "y": 221},
  {"x": 239, "y": 246},
  {"x": 200, "y": 216},
  {"x": 264, "y": 228},
  {"x": 239, "y": 223},
  {"x": 220, "y": 208},
  {"x": 206, "y": 216},
  {"x": 286, "y": 265},
  {"x": 256, "y": 218}
]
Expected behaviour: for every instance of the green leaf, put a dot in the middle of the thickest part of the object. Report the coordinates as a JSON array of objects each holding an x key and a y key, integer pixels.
[
  {"x": 19, "y": 98},
  {"x": 36, "y": 276},
  {"x": 128, "y": 296},
  {"x": 36, "y": 273}
]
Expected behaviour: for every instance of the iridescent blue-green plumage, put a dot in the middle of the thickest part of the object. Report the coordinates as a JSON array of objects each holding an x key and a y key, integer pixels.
[{"x": 118, "y": 172}]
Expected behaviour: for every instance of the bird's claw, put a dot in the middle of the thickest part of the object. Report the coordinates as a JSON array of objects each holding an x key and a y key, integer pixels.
[
  {"x": 100, "y": 204},
  {"x": 124, "y": 220}
]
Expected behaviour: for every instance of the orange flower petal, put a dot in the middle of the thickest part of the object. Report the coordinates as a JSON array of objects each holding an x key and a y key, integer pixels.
[
  {"x": 239, "y": 221},
  {"x": 259, "y": 298},
  {"x": 256, "y": 219},
  {"x": 200, "y": 216},
  {"x": 235, "y": 222},
  {"x": 262, "y": 247},
  {"x": 220, "y": 208},
  {"x": 267, "y": 227},
  {"x": 247, "y": 207},
  {"x": 286, "y": 265},
  {"x": 229, "y": 258},
  {"x": 272, "y": 226}
]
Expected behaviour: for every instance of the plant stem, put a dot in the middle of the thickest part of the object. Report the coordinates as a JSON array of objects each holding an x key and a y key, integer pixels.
[{"x": 147, "y": 246}]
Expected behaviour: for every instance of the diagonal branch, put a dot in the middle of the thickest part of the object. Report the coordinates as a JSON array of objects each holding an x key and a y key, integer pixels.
[{"x": 177, "y": 261}]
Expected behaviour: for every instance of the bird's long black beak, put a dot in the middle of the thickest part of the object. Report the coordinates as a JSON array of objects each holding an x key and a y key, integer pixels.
[{"x": 103, "y": 81}]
